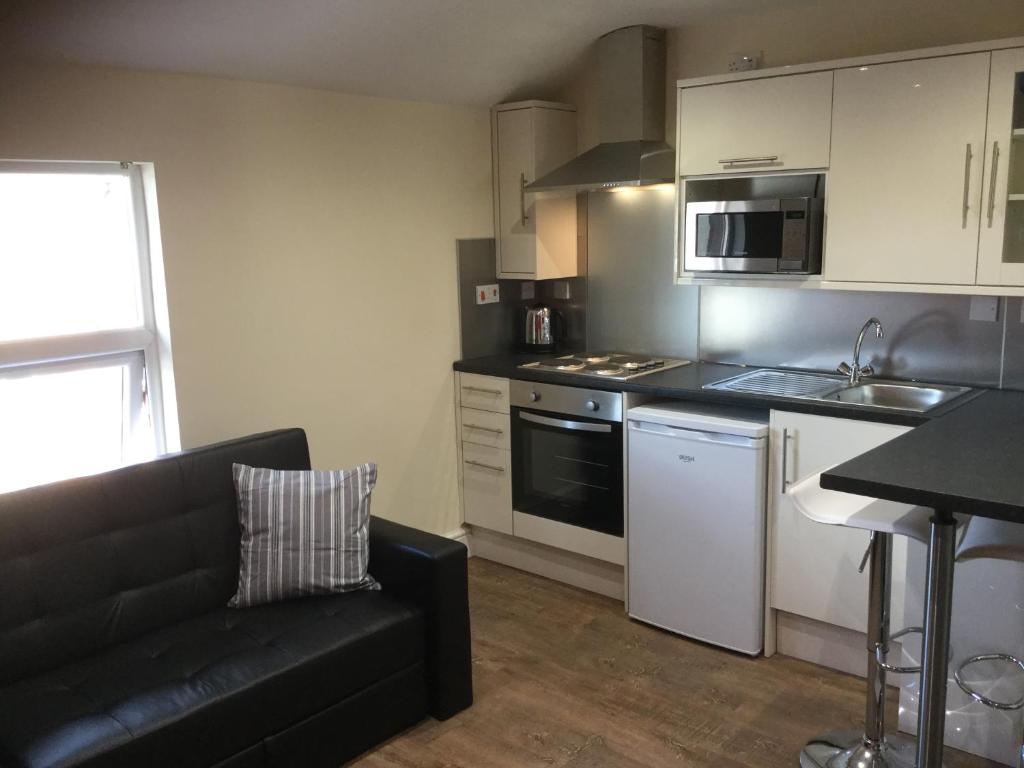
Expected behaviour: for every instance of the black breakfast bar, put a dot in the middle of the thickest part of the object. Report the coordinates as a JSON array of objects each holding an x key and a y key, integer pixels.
[{"x": 968, "y": 462}]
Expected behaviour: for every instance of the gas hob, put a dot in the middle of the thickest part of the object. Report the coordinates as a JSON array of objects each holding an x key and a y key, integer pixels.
[{"x": 617, "y": 366}]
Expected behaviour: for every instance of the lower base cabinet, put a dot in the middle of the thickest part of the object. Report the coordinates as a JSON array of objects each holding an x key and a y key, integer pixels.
[
  {"x": 812, "y": 567},
  {"x": 487, "y": 487}
]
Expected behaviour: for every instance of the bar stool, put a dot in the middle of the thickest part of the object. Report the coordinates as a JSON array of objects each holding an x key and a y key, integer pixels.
[
  {"x": 994, "y": 540},
  {"x": 871, "y": 748}
]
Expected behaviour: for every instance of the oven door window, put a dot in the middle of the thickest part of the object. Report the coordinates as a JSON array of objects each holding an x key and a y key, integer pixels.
[
  {"x": 568, "y": 469},
  {"x": 748, "y": 235}
]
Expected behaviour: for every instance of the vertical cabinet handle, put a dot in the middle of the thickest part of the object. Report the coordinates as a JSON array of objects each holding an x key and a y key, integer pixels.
[
  {"x": 992, "y": 183},
  {"x": 522, "y": 198},
  {"x": 967, "y": 184},
  {"x": 785, "y": 458}
]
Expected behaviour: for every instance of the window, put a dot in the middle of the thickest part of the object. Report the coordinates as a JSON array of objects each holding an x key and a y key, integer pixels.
[{"x": 85, "y": 377}]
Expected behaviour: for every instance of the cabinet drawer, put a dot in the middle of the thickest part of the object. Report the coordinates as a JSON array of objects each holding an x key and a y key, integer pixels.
[
  {"x": 756, "y": 125},
  {"x": 487, "y": 487},
  {"x": 485, "y": 428},
  {"x": 485, "y": 393}
]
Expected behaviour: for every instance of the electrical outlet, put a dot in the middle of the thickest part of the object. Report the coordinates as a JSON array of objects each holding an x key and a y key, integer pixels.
[
  {"x": 527, "y": 289},
  {"x": 985, "y": 308},
  {"x": 487, "y": 294},
  {"x": 744, "y": 62}
]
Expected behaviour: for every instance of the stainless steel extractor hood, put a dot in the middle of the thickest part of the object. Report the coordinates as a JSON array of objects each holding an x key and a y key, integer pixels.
[{"x": 631, "y": 118}]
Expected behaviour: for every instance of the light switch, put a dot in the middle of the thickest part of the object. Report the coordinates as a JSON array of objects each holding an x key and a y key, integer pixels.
[
  {"x": 985, "y": 308},
  {"x": 487, "y": 294}
]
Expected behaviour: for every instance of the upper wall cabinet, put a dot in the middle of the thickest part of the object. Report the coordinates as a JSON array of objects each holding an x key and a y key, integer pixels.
[
  {"x": 1001, "y": 246},
  {"x": 776, "y": 123},
  {"x": 536, "y": 236},
  {"x": 904, "y": 185}
]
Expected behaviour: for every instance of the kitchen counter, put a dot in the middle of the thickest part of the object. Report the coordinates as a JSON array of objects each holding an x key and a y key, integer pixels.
[
  {"x": 687, "y": 382},
  {"x": 969, "y": 461}
]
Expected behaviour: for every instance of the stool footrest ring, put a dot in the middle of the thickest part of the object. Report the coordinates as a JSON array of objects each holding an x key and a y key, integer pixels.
[
  {"x": 966, "y": 687},
  {"x": 881, "y": 653}
]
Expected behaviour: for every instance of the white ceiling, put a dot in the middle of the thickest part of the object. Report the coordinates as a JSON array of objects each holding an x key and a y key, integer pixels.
[{"x": 455, "y": 51}]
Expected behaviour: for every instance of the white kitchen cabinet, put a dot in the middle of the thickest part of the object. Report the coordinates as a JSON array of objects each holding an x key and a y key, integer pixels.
[
  {"x": 487, "y": 487},
  {"x": 813, "y": 566},
  {"x": 535, "y": 235},
  {"x": 483, "y": 435},
  {"x": 777, "y": 123},
  {"x": 1001, "y": 245},
  {"x": 905, "y": 173},
  {"x": 483, "y": 393}
]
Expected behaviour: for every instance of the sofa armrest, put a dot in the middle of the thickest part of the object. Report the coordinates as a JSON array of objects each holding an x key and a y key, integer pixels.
[{"x": 431, "y": 572}]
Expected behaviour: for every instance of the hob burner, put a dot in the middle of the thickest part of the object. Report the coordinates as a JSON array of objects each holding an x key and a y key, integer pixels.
[{"x": 608, "y": 365}]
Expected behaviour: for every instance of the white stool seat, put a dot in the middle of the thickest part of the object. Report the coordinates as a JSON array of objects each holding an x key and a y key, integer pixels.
[
  {"x": 993, "y": 539},
  {"x": 837, "y": 508}
]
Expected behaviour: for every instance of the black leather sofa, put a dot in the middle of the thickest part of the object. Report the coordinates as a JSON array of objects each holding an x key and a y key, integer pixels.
[{"x": 117, "y": 648}]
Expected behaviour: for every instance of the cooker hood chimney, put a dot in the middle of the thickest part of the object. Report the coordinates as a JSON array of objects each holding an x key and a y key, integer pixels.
[{"x": 631, "y": 118}]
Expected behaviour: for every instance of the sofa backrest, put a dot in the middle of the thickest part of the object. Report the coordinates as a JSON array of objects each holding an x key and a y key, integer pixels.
[{"x": 95, "y": 561}]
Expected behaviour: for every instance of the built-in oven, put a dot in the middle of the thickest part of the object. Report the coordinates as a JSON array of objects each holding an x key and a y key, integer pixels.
[
  {"x": 567, "y": 458},
  {"x": 773, "y": 236}
]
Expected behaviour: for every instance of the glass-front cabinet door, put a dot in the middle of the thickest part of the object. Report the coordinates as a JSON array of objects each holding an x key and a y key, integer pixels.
[{"x": 1001, "y": 246}]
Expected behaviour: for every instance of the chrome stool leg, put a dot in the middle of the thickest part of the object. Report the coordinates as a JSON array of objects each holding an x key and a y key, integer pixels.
[
  {"x": 870, "y": 748},
  {"x": 992, "y": 703}
]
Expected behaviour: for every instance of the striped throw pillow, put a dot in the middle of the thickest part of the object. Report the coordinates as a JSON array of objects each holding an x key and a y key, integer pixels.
[{"x": 303, "y": 533}]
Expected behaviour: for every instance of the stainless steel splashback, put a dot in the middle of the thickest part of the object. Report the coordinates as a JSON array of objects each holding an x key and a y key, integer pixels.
[
  {"x": 633, "y": 305},
  {"x": 927, "y": 336}
]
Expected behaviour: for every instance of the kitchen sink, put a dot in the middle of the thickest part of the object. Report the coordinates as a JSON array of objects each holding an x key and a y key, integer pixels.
[
  {"x": 905, "y": 397},
  {"x": 894, "y": 395}
]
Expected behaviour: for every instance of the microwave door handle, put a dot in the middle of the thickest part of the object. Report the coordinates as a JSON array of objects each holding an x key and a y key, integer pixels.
[{"x": 576, "y": 426}]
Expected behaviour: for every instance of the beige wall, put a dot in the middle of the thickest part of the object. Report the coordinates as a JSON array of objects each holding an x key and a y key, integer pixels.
[
  {"x": 809, "y": 32},
  {"x": 309, "y": 245}
]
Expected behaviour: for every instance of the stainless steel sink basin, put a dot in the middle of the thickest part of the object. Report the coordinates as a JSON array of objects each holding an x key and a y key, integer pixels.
[
  {"x": 894, "y": 395},
  {"x": 905, "y": 397}
]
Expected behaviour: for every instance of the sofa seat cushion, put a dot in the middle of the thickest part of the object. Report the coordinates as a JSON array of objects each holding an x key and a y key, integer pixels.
[{"x": 196, "y": 692}]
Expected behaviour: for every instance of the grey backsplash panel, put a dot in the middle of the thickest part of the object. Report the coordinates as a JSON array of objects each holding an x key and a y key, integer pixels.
[
  {"x": 633, "y": 304},
  {"x": 928, "y": 337},
  {"x": 1013, "y": 361},
  {"x": 491, "y": 329},
  {"x": 486, "y": 329}
]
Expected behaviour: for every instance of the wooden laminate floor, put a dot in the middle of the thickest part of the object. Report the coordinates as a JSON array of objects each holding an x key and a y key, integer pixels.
[{"x": 563, "y": 678}]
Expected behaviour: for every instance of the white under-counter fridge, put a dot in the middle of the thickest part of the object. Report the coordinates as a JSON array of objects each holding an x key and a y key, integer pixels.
[{"x": 696, "y": 521}]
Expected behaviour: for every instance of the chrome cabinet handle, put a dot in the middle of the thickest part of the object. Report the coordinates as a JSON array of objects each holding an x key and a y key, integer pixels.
[
  {"x": 785, "y": 458},
  {"x": 522, "y": 198},
  {"x": 485, "y": 466},
  {"x": 967, "y": 184},
  {"x": 741, "y": 160},
  {"x": 495, "y": 392},
  {"x": 495, "y": 430},
  {"x": 992, "y": 183}
]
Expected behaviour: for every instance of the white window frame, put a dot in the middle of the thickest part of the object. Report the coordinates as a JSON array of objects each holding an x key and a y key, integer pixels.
[{"x": 148, "y": 344}]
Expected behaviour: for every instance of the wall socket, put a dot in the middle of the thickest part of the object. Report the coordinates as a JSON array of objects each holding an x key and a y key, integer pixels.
[
  {"x": 985, "y": 308},
  {"x": 744, "y": 61},
  {"x": 487, "y": 294},
  {"x": 527, "y": 289}
]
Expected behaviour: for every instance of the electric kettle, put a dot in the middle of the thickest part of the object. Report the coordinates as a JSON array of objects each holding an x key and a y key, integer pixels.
[{"x": 541, "y": 328}]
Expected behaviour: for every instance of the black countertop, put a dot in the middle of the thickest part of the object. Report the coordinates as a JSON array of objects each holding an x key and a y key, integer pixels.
[
  {"x": 970, "y": 461},
  {"x": 687, "y": 383}
]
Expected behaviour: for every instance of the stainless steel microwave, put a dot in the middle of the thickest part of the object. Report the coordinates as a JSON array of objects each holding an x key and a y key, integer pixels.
[{"x": 777, "y": 236}]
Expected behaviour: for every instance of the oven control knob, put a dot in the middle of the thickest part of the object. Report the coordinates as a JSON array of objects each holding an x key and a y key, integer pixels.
[
  {"x": 534, "y": 396},
  {"x": 593, "y": 405}
]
